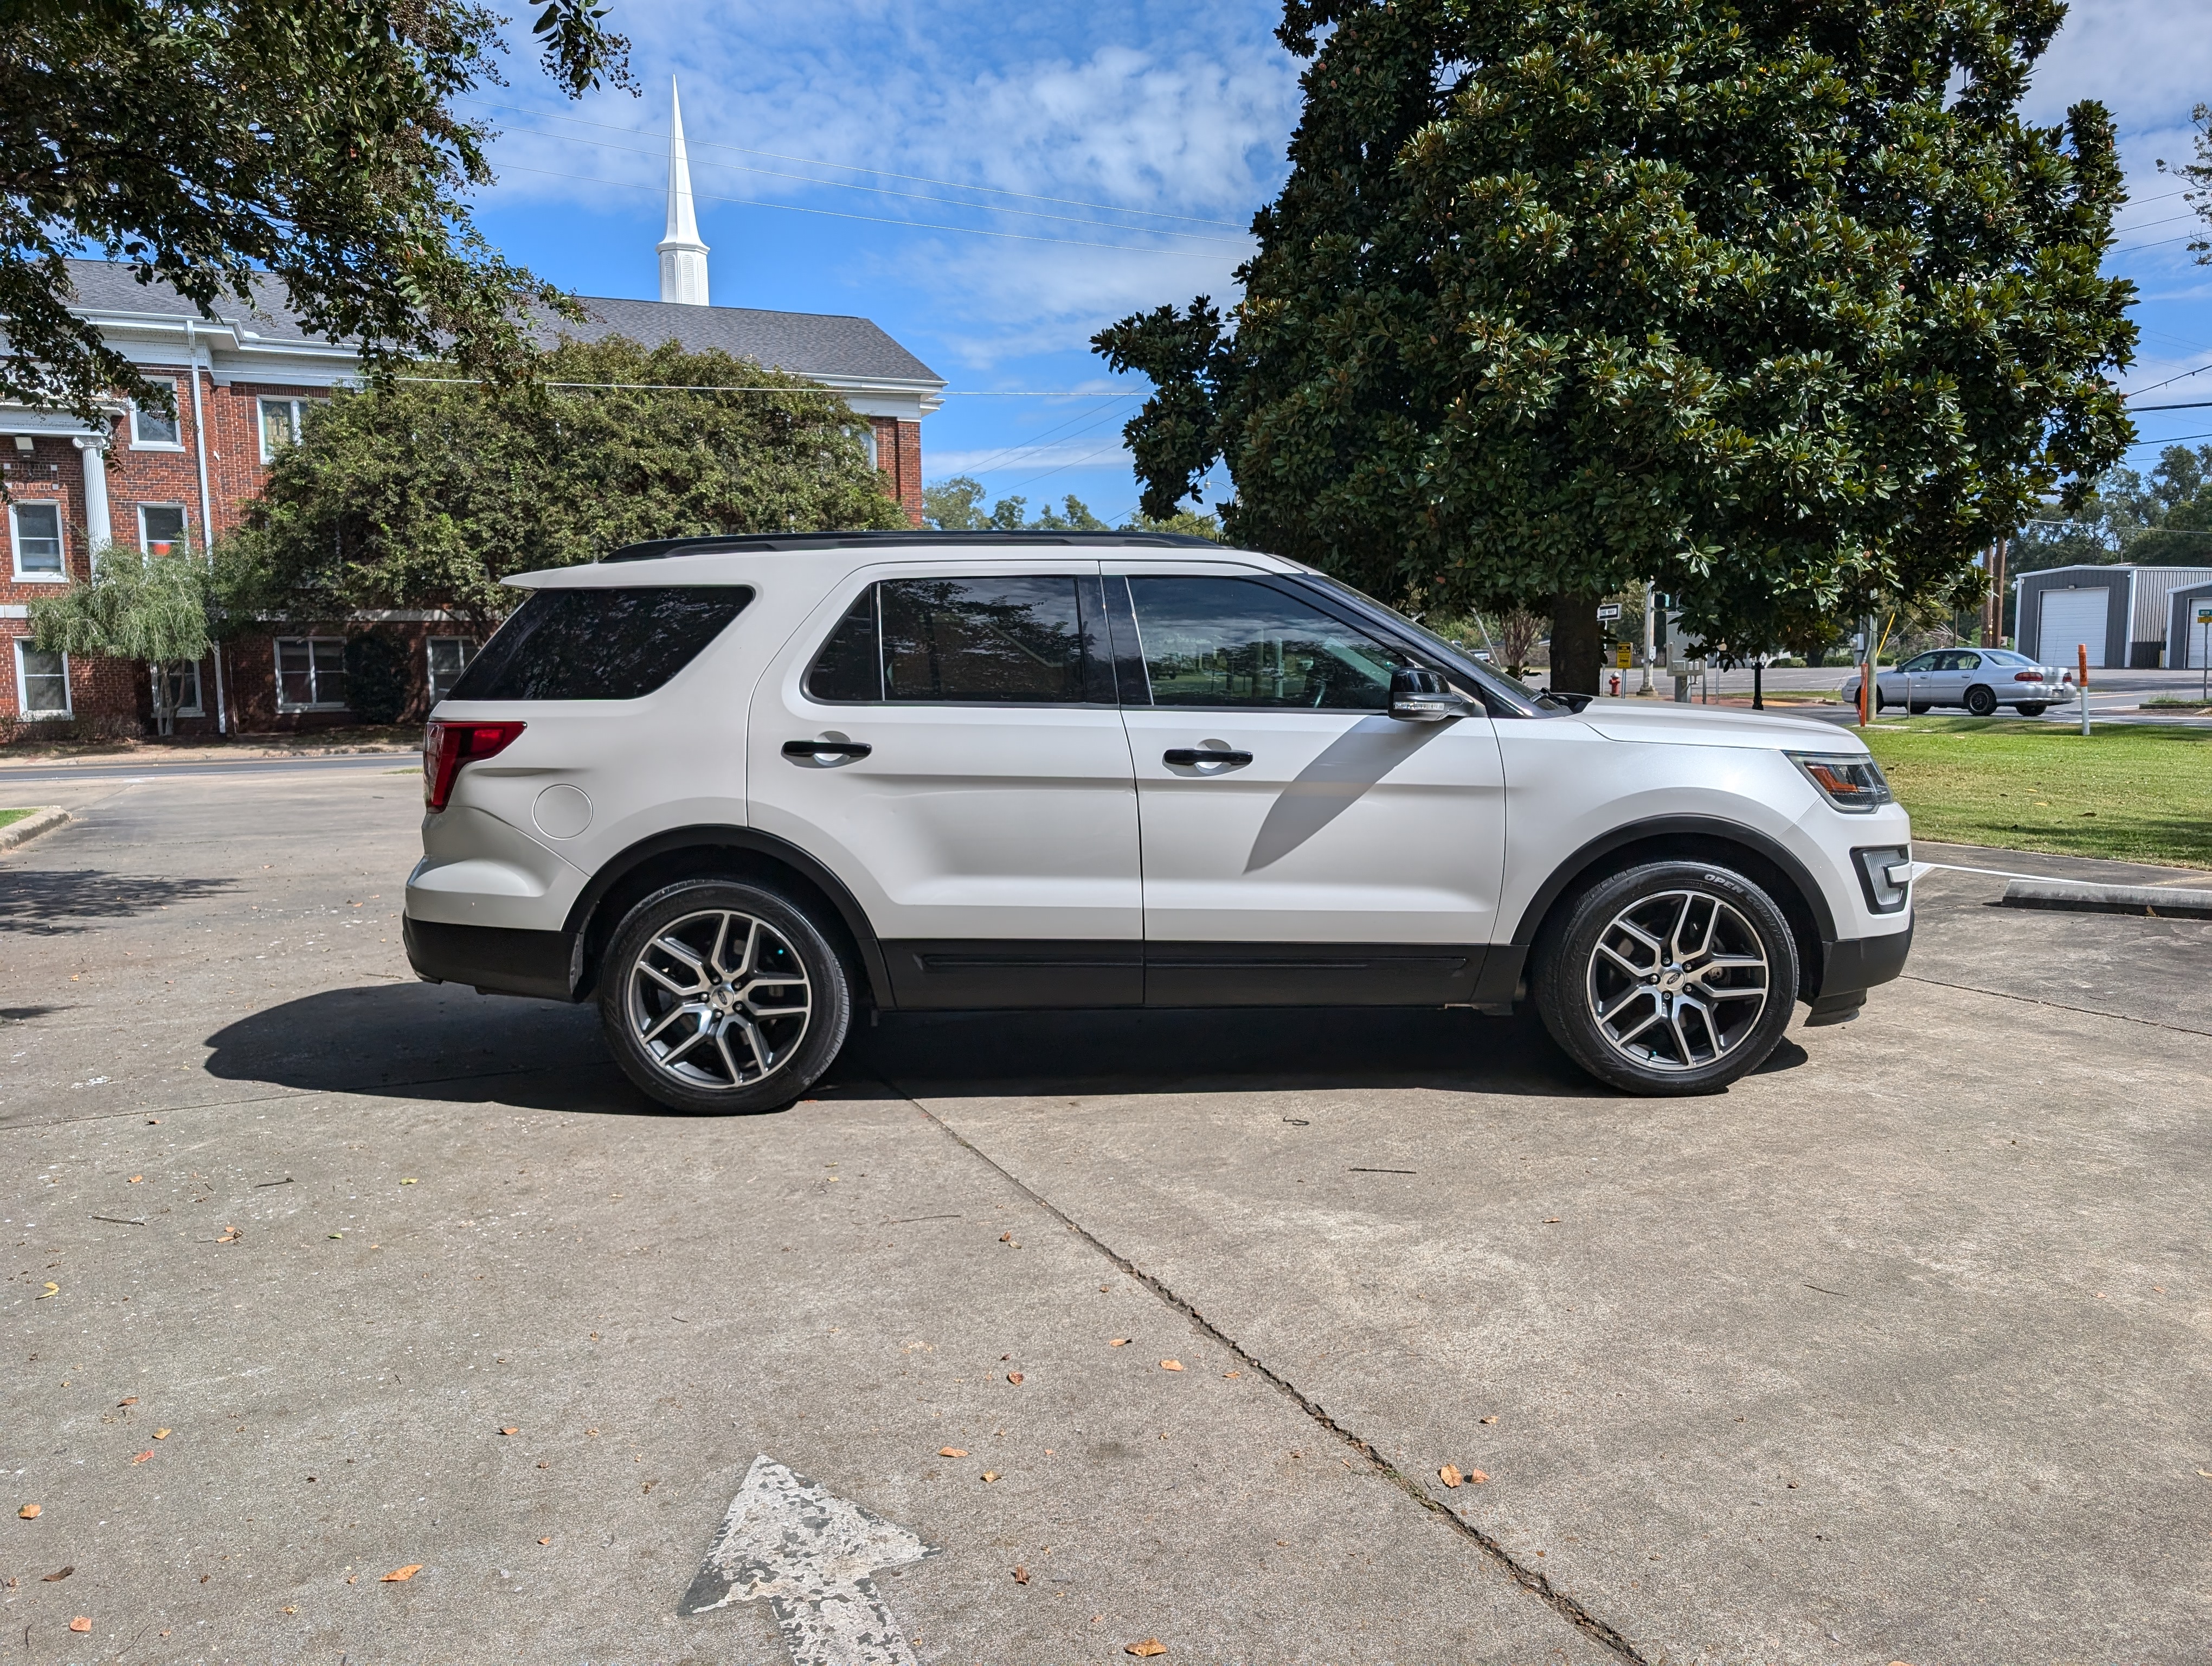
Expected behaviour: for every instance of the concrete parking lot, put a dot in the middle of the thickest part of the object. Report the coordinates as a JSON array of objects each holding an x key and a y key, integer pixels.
[{"x": 1149, "y": 1325}]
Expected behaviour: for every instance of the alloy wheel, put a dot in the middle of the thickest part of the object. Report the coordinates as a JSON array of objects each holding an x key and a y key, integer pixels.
[
  {"x": 719, "y": 1000},
  {"x": 1677, "y": 981}
]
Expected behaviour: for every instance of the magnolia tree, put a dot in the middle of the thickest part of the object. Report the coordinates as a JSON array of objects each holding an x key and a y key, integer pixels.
[{"x": 1781, "y": 306}]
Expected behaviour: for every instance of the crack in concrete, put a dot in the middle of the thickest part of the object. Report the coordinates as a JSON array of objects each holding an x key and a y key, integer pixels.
[
  {"x": 2059, "y": 1006},
  {"x": 1532, "y": 1580}
]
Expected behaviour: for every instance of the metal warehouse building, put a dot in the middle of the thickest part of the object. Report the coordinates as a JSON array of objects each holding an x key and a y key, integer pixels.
[{"x": 2126, "y": 617}]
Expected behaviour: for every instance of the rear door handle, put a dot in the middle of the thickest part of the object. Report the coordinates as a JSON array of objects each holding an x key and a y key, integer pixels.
[
  {"x": 826, "y": 749},
  {"x": 1194, "y": 754}
]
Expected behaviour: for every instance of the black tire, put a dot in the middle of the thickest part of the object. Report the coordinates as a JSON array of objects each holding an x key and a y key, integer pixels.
[
  {"x": 1918, "y": 708},
  {"x": 2033, "y": 709},
  {"x": 758, "y": 1054},
  {"x": 1982, "y": 701},
  {"x": 1582, "y": 992},
  {"x": 1880, "y": 704}
]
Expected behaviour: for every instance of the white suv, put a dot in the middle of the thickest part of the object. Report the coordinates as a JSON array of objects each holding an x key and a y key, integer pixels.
[{"x": 730, "y": 786}]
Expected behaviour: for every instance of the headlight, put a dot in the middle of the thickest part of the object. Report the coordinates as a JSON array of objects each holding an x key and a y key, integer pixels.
[{"x": 1851, "y": 781}]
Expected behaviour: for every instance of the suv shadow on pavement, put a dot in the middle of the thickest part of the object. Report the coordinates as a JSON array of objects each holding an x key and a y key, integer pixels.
[{"x": 440, "y": 1043}]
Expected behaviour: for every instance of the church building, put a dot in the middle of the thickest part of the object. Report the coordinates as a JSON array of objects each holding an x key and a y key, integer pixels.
[{"x": 170, "y": 484}]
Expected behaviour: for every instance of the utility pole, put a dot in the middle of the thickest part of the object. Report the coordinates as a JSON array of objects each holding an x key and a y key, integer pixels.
[{"x": 1650, "y": 641}]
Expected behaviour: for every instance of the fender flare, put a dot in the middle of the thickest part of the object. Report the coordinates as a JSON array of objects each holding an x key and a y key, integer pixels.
[
  {"x": 1661, "y": 827},
  {"x": 616, "y": 868}
]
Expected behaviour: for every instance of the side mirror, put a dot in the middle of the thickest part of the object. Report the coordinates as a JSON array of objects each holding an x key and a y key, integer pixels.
[{"x": 1418, "y": 696}]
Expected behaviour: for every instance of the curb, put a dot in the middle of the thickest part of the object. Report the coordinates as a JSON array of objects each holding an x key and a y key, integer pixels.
[
  {"x": 31, "y": 826},
  {"x": 2079, "y": 897}
]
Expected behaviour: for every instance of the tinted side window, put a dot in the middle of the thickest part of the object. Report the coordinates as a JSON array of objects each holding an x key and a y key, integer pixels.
[
  {"x": 1001, "y": 639},
  {"x": 1235, "y": 643},
  {"x": 849, "y": 667},
  {"x": 598, "y": 644}
]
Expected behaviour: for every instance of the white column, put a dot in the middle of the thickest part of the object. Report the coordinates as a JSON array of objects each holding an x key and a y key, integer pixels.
[{"x": 98, "y": 529}]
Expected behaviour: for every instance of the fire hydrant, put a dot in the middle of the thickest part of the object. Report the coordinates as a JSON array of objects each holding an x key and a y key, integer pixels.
[{"x": 1615, "y": 690}]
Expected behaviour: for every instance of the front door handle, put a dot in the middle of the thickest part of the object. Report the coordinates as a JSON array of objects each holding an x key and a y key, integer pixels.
[
  {"x": 1194, "y": 754},
  {"x": 826, "y": 749}
]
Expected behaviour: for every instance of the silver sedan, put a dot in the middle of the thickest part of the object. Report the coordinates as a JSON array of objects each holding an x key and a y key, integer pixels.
[{"x": 1979, "y": 678}]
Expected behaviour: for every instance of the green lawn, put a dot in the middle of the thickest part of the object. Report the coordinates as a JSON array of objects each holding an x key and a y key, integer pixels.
[
  {"x": 2133, "y": 793},
  {"x": 7, "y": 816}
]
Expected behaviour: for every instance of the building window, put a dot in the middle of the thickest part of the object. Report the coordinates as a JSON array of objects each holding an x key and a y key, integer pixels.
[
  {"x": 280, "y": 426},
  {"x": 161, "y": 529},
  {"x": 151, "y": 431},
  {"x": 448, "y": 657},
  {"x": 35, "y": 531},
  {"x": 42, "y": 687},
  {"x": 310, "y": 674},
  {"x": 184, "y": 687}
]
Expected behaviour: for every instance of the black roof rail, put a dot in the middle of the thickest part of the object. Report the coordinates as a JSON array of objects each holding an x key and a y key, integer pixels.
[{"x": 794, "y": 542}]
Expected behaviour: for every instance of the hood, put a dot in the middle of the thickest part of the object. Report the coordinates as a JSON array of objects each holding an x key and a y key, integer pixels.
[{"x": 1666, "y": 723}]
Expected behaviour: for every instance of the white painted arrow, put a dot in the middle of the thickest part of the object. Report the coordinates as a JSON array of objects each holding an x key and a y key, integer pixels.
[{"x": 811, "y": 1555}]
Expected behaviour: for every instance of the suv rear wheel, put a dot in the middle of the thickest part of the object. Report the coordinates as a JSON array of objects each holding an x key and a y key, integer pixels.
[
  {"x": 1671, "y": 978},
  {"x": 722, "y": 997}
]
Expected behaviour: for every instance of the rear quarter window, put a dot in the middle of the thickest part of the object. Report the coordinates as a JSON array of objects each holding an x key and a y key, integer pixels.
[{"x": 599, "y": 644}]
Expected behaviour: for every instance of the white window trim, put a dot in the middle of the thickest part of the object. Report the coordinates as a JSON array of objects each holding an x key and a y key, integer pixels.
[
  {"x": 473, "y": 642},
  {"x": 198, "y": 708},
  {"x": 276, "y": 661},
  {"x": 15, "y": 543},
  {"x": 177, "y": 444},
  {"x": 23, "y": 689},
  {"x": 298, "y": 406},
  {"x": 183, "y": 510}
]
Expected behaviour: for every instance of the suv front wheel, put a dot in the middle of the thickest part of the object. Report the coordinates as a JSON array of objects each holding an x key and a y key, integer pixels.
[
  {"x": 722, "y": 997},
  {"x": 1671, "y": 978}
]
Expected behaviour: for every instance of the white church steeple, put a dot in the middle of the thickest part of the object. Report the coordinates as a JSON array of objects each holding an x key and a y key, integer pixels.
[{"x": 683, "y": 256}]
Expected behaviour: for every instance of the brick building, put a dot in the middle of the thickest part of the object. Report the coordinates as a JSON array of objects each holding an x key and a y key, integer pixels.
[{"x": 160, "y": 484}]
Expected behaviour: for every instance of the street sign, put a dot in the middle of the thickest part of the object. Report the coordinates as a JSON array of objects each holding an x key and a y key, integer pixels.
[
  {"x": 1623, "y": 656},
  {"x": 1608, "y": 612},
  {"x": 811, "y": 1554}
]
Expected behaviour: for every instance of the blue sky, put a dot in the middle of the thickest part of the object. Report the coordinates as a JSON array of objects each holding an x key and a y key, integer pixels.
[{"x": 1067, "y": 164}]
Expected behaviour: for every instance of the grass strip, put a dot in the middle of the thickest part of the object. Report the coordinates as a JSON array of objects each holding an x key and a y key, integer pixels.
[
  {"x": 2134, "y": 792},
  {"x": 8, "y": 816}
]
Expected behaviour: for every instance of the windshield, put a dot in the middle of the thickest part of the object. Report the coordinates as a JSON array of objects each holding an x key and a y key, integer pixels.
[{"x": 1454, "y": 656}]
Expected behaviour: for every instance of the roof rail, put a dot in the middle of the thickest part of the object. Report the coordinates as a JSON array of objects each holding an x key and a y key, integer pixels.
[{"x": 794, "y": 542}]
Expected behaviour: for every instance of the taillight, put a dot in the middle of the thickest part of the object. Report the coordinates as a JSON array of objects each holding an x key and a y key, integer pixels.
[
  {"x": 446, "y": 746},
  {"x": 2028, "y": 677}
]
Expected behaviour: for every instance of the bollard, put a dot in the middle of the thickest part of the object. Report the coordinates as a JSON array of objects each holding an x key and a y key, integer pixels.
[{"x": 2082, "y": 678}]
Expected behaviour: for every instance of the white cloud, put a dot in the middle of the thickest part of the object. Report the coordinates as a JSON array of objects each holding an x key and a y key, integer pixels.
[{"x": 2148, "y": 61}]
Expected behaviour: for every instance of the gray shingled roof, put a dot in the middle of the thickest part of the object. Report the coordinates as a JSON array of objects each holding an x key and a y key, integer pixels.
[{"x": 803, "y": 343}]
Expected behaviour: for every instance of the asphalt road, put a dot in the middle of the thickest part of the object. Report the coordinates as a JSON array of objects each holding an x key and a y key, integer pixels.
[{"x": 1898, "y": 1352}]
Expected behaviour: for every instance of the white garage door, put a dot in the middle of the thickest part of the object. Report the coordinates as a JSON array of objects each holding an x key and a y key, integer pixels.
[{"x": 2071, "y": 620}]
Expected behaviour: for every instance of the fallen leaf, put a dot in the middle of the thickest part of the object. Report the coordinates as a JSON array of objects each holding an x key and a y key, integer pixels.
[
  {"x": 30, "y": 1512},
  {"x": 1233, "y": 1373},
  {"x": 545, "y": 1463},
  {"x": 546, "y": 1542},
  {"x": 144, "y": 1456},
  {"x": 990, "y": 1474},
  {"x": 1170, "y": 1364},
  {"x": 135, "y": 1178},
  {"x": 1021, "y": 1576},
  {"x": 160, "y": 1434},
  {"x": 593, "y": 1433},
  {"x": 1119, "y": 1342},
  {"x": 1449, "y": 1475},
  {"x": 1006, "y": 1237},
  {"x": 1475, "y": 1478},
  {"x": 400, "y": 1576},
  {"x": 291, "y": 1610},
  {"x": 1146, "y": 1650},
  {"x": 510, "y": 1431},
  {"x": 406, "y": 1183},
  {"x": 1013, "y": 1376},
  {"x": 128, "y": 1400},
  {"x": 51, "y": 1289},
  {"x": 81, "y": 1624},
  {"x": 230, "y": 1234},
  {"x": 64, "y": 1573},
  {"x": 952, "y": 1451},
  {"x": 1550, "y": 1220},
  {"x": 1487, "y": 1419}
]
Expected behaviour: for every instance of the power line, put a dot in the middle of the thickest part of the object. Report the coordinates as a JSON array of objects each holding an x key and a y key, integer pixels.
[
  {"x": 911, "y": 195},
  {"x": 881, "y": 220},
  {"x": 881, "y": 174}
]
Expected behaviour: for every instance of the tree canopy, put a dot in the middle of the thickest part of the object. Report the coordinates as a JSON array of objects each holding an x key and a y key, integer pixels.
[
  {"x": 428, "y": 493},
  {"x": 956, "y": 505},
  {"x": 313, "y": 141},
  {"x": 135, "y": 606},
  {"x": 1778, "y": 303},
  {"x": 2161, "y": 519}
]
